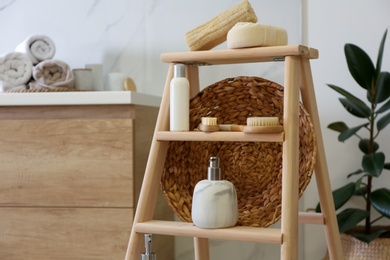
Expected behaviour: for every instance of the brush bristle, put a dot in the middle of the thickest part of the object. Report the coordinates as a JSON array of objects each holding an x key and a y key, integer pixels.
[
  {"x": 262, "y": 121},
  {"x": 209, "y": 121}
]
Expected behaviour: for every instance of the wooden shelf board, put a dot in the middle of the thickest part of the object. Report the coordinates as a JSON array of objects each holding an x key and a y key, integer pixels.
[
  {"x": 246, "y": 55},
  {"x": 175, "y": 228},
  {"x": 219, "y": 136}
]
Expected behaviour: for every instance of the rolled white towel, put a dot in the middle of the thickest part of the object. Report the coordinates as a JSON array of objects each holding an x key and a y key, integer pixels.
[
  {"x": 52, "y": 74},
  {"x": 38, "y": 47},
  {"x": 15, "y": 70}
]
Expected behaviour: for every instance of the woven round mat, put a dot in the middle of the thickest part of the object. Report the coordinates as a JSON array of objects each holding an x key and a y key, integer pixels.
[{"x": 255, "y": 168}]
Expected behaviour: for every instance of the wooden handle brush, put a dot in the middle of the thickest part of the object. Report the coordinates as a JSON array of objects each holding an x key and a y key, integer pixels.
[{"x": 255, "y": 125}]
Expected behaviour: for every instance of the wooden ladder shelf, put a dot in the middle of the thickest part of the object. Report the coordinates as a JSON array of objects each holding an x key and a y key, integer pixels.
[{"x": 298, "y": 84}]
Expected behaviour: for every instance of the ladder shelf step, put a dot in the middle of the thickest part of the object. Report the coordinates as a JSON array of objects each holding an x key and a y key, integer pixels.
[
  {"x": 176, "y": 228},
  {"x": 219, "y": 136},
  {"x": 246, "y": 55},
  {"x": 311, "y": 218}
]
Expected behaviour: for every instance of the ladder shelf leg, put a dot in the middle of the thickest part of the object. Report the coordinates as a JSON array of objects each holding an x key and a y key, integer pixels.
[
  {"x": 153, "y": 171},
  {"x": 201, "y": 248},
  {"x": 321, "y": 169},
  {"x": 290, "y": 167},
  {"x": 154, "y": 168}
]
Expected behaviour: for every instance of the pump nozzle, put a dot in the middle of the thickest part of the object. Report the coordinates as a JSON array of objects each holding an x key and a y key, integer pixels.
[
  {"x": 148, "y": 255},
  {"x": 214, "y": 172}
]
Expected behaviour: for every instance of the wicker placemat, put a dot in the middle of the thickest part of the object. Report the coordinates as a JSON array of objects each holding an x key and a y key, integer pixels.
[
  {"x": 43, "y": 90},
  {"x": 255, "y": 168}
]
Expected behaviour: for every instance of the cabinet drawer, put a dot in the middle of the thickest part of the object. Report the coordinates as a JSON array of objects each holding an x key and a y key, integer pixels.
[
  {"x": 64, "y": 233},
  {"x": 66, "y": 163}
]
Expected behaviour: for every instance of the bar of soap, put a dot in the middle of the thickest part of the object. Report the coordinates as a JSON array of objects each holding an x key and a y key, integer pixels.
[{"x": 244, "y": 35}]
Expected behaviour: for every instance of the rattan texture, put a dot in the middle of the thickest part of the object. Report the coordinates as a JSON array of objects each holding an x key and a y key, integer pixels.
[
  {"x": 58, "y": 89},
  {"x": 379, "y": 249},
  {"x": 354, "y": 249},
  {"x": 255, "y": 168}
]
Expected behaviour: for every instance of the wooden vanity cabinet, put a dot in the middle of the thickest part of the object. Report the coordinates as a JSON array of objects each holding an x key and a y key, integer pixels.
[{"x": 70, "y": 177}]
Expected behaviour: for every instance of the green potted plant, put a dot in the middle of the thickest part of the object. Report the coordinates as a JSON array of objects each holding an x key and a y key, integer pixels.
[{"x": 375, "y": 116}]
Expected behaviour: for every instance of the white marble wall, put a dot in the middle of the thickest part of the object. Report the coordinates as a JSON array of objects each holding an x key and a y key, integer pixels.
[{"x": 128, "y": 36}]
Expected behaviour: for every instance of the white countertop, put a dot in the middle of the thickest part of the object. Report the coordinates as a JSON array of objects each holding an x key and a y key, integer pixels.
[{"x": 79, "y": 98}]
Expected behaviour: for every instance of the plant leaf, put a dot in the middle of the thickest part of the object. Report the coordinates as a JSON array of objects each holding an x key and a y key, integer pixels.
[
  {"x": 341, "y": 196},
  {"x": 361, "y": 191},
  {"x": 383, "y": 122},
  {"x": 355, "y": 173},
  {"x": 360, "y": 65},
  {"x": 373, "y": 163},
  {"x": 368, "y": 238},
  {"x": 387, "y": 166},
  {"x": 349, "y": 218},
  {"x": 350, "y": 132},
  {"x": 364, "y": 146},
  {"x": 380, "y": 55},
  {"x": 385, "y": 107},
  {"x": 383, "y": 87},
  {"x": 380, "y": 200},
  {"x": 338, "y": 126},
  {"x": 354, "y": 109},
  {"x": 356, "y": 103}
]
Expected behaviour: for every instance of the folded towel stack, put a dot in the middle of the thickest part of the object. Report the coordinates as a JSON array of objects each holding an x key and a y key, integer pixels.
[
  {"x": 31, "y": 66},
  {"x": 52, "y": 74},
  {"x": 38, "y": 47},
  {"x": 15, "y": 70}
]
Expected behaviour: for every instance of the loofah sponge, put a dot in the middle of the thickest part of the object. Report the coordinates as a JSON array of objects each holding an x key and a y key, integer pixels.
[
  {"x": 214, "y": 32},
  {"x": 245, "y": 34}
]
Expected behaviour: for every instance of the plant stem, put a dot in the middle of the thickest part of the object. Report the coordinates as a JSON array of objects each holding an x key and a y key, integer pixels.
[
  {"x": 371, "y": 150},
  {"x": 368, "y": 206}
]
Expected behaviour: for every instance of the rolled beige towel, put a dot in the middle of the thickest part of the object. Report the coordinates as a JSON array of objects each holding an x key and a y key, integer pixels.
[
  {"x": 214, "y": 32},
  {"x": 52, "y": 74}
]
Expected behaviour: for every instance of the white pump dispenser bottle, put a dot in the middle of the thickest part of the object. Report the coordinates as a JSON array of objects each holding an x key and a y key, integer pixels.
[
  {"x": 179, "y": 100},
  {"x": 214, "y": 203}
]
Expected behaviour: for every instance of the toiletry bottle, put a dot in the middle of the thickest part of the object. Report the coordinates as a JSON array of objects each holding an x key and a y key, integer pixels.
[
  {"x": 214, "y": 202},
  {"x": 179, "y": 100}
]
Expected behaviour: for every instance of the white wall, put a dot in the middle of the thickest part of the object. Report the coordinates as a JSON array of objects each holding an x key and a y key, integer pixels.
[
  {"x": 129, "y": 35},
  {"x": 330, "y": 25}
]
